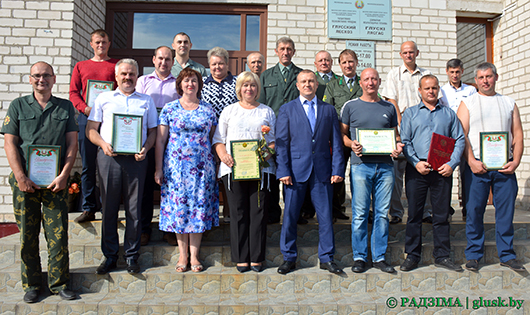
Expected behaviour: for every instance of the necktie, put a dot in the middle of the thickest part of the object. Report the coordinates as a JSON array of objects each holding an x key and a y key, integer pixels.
[
  {"x": 285, "y": 73},
  {"x": 350, "y": 84},
  {"x": 311, "y": 115},
  {"x": 326, "y": 78}
]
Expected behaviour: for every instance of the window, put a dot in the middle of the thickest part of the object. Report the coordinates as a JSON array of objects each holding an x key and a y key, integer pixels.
[
  {"x": 474, "y": 44},
  {"x": 136, "y": 29}
]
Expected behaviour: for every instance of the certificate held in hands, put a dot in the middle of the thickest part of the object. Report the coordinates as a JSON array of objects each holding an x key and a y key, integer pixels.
[
  {"x": 440, "y": 150},
  {"x": 43, "y": 164},
  {"x": 127, "y": 134},
  {"x": 246, "y": 161},
  {"x": 494, "y": 149}
]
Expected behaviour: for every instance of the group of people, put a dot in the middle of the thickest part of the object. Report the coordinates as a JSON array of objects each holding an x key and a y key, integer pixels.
[{"x": 189, "y": 120}]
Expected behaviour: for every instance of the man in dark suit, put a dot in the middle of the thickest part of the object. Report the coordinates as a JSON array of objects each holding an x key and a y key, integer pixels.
[
  {"x": 309, "y": 154},
  {"x": 323, "y": 63},
  {"x": 278, "y": 86}
]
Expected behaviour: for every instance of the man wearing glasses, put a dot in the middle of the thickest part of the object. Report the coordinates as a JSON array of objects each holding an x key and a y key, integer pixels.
[{"x": 41, "y": 119}]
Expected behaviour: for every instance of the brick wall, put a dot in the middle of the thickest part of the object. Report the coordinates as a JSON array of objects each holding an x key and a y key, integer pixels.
[
  {"x": 30, "y": 31},
  {"x": 511, "y": 55},
  {"x": 57, "y": 32}
]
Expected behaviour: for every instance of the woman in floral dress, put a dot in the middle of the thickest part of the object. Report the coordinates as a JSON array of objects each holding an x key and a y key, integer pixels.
[{"x": 185, "y": 169}]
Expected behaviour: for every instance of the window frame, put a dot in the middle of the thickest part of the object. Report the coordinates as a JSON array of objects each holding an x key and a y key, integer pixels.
[{"x": 237, "y": 62}]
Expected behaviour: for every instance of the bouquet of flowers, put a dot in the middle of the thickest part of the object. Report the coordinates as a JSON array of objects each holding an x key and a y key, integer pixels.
[
  {"x": 263, "y": 151},
  {"x": 73, "y": 191}
]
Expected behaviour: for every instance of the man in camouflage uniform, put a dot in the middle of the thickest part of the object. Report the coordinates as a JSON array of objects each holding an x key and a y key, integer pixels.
[{"x": 41, "y": 119}]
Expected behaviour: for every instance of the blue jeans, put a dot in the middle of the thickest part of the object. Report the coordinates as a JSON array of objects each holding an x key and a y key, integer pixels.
[
  {"x": 370, "y": 182},
  {"x": 504, "y": 189}
]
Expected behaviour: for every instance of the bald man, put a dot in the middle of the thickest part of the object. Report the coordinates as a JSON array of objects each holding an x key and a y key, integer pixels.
[
  {"x": 401, "y": 89},
  {"x": 255, "y": 62},
  {"x": 372, "y": 177}
]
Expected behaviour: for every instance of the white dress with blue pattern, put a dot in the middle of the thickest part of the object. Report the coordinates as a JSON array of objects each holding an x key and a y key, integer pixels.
[{"x": 189, "y": 192}]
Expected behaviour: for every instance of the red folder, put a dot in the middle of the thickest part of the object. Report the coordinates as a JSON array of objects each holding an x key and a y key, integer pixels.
[{"x": 440, "y": 150}]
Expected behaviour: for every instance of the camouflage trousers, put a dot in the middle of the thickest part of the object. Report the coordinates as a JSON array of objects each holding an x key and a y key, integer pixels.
[{"x": 54, "y": 217}]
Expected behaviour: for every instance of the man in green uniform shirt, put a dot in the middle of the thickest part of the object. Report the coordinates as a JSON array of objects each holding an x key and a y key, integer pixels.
[
  {"x": 41, "y": 119},
  {"x": 278, "y": 86}
]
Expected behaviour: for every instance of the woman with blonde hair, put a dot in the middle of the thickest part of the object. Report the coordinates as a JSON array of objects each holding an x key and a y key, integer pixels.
[{"x": 248, "y": 200}]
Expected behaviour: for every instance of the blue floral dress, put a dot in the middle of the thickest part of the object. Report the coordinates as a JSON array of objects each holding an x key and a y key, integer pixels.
[{"x": 189, "y": 192}]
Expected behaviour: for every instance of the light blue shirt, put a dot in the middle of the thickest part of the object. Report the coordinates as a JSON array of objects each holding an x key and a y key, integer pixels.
[
  {"x": 306, "y": 106},
  {"x": 419, "y": 123}
]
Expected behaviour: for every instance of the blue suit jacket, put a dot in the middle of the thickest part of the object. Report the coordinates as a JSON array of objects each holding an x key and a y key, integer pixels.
[{"x": 299, "y": 151}]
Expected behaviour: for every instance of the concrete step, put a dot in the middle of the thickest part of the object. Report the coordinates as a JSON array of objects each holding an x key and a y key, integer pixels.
[
  {"x": 217, "y": 253},
  {"x": 273, "y": 304},
  {"x": 308, "y": 232},
  {"x": 226, "y": 280}
]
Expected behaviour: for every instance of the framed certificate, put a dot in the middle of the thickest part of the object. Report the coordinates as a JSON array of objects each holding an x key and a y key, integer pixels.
[
  {"x": 43, "y": 163},
  {"x": 494, "y": 148},
  {"x": 94, "y": 88},
  {"x": 126, "y": 134},
  {"x": 377, "y": 141},
  {"x": 246, "y": 161}
]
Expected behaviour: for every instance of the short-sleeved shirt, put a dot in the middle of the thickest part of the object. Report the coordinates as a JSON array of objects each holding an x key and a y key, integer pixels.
[
  {"x": 115, "y": 102},
  {"x": 175, "y": 70},
  {"x": 27, "y": 120},
  {"x": 452, "y": 97},
  {"x": 238, "y": 123},
  {"x": 372, "y": 115},
  {"x": 161, "y": 91},
  {"x": 402, "y": 85},
  {"x": 219, "y": 94}
]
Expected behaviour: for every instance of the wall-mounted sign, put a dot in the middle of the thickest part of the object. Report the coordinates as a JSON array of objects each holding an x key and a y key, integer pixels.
[
  {"x": 360, "y": 19},
  {"x": 365, "y": 53}
]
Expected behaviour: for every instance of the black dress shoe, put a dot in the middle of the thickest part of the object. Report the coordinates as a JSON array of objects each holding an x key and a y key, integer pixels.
[
  {"x": 257, "y": 268},
  {"x": 132, "y": 266},
  {"x": 331, "y": 266},
  {"x": 409, "y": 264},
  {"x": 384, "y": 267},
  {"x": 286, "y": 267},
  {"x": 341, "y": 216},
  {"x": 242, "y": 269},
  {"x": 31, "y": 296},
  {"x": 106, "y": 266},
  {"x": 513, "y": 265},
  {"x": 359, "y": 266},
  {"x": 395, "y": 220},
  {"x": 447, "y": 263},
  {"x": 67, "y": 294}
]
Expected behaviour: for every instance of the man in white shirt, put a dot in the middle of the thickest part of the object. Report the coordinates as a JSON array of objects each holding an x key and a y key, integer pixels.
[
  {"x": 401, "y": 89},
  {"x": 490, "y": 112},
  {"x": 121, "y": 175},
  {"x": 453, "y": 92}
]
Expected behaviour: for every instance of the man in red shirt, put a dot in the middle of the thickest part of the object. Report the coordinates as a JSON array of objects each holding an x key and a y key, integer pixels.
[{"x": 101, "y": 68}]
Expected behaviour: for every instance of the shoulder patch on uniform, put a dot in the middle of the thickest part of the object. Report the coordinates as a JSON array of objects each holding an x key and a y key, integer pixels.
[{"x": 6, "y": 120}]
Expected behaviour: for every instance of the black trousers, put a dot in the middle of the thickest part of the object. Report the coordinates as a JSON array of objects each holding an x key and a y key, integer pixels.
[
  {"x": 248, "y": 218},
  {"x": 149, "y": 189},
  {"x": 121, "y": 176},
  {"x": 416, "y": 186}
]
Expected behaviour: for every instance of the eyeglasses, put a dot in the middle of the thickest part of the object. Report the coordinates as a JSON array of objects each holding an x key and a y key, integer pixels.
[{"x": 39, "y": 76}]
